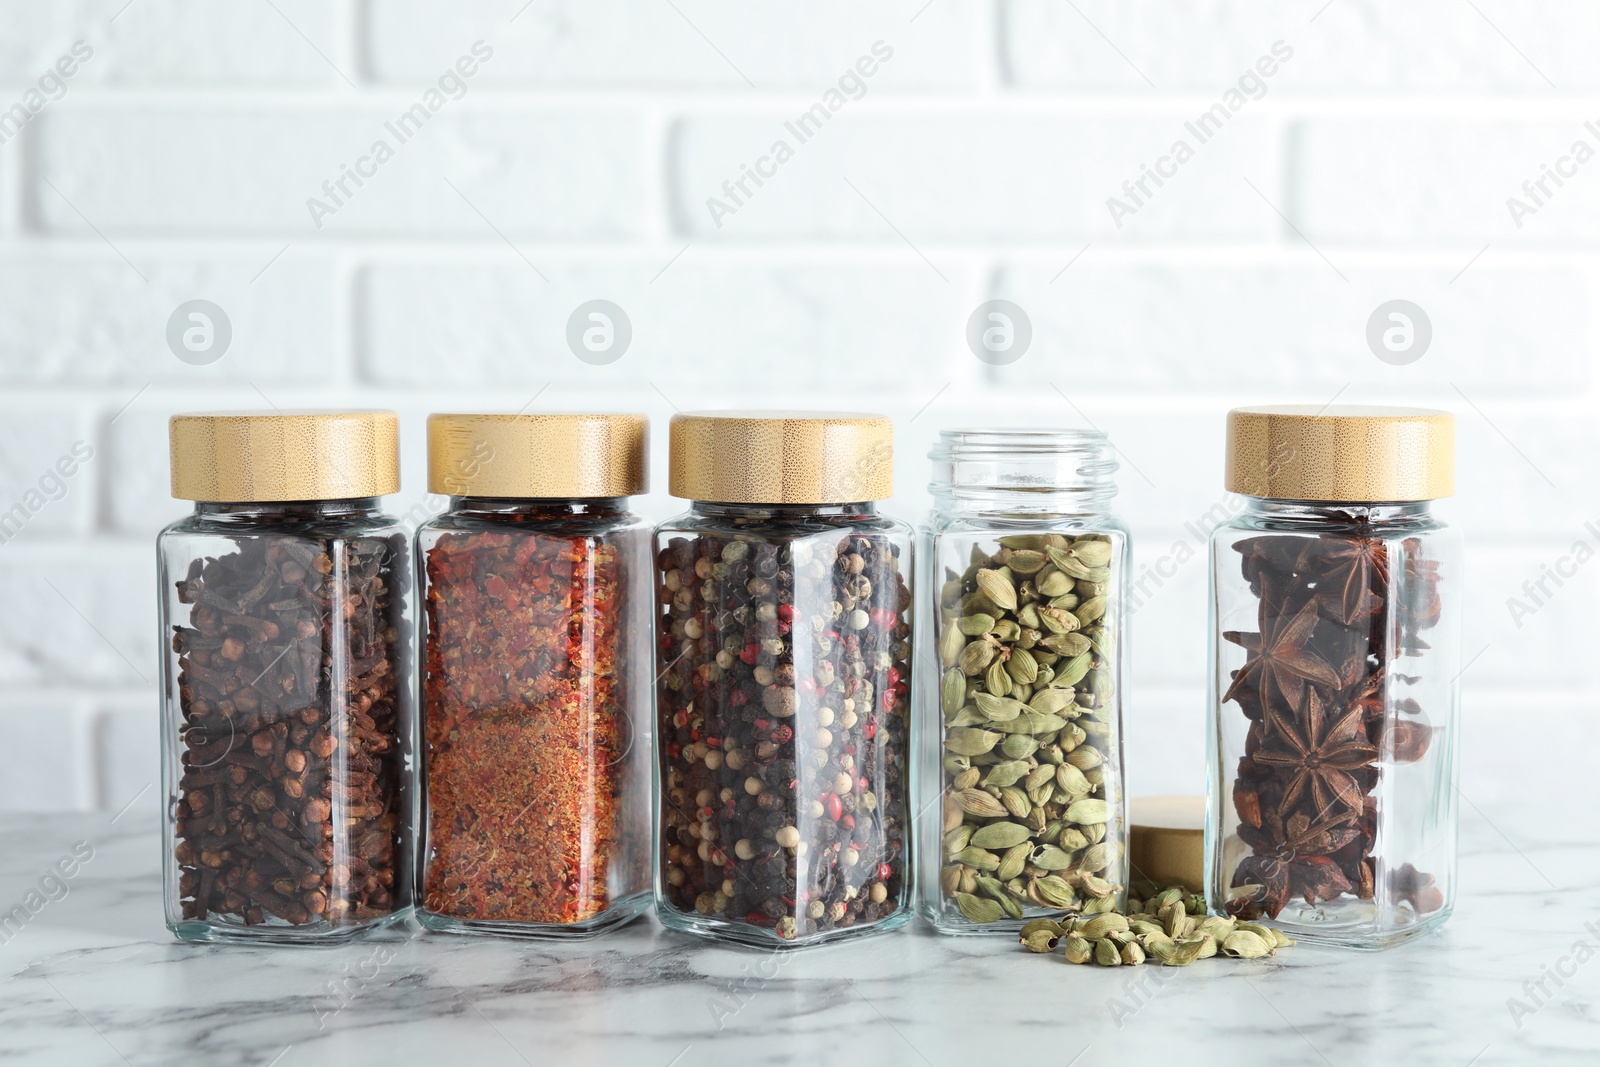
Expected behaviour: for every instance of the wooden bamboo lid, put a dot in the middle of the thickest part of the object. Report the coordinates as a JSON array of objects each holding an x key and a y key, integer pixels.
[
  {"x": 781, "y": 457},
  {"x": 1167, "y": 840},
  {"x": 1344, "y": 454},
  {"x": 540, "y": 455},
  {"x": 258, "y": 457}
]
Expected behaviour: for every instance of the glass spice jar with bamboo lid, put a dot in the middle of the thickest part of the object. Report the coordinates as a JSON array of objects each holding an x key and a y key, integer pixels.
[
  {"x": 286, "y": 678},
  {"x": 783, "y": 663},
  {"x": 535, "y": 775},
  {"x": 1334, "y": 676}
]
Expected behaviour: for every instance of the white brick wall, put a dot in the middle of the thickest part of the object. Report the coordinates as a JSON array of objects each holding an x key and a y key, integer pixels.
[{"x": 974, "y": 162}]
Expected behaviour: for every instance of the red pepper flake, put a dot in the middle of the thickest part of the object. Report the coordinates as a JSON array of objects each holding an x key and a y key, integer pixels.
[{"x": 522, "y": 743}]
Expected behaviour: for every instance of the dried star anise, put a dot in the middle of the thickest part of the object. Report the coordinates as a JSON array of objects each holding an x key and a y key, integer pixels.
[
  {"x": 1416, "y": 888},
  {"x": 1350, "y": 569},
  {"x": 1262, "y": 887},
  {"x": 1319, "y": 755},
  {"x": 1316, "y": 878},
  {"x": 1320, "y": 691},
  {"x": 1280, "y": 663}
]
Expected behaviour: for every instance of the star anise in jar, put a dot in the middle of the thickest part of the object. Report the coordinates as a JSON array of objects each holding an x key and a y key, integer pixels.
[
  {"x": 1319, "y": 754},
  {"x": 1320, "y": 838},
  {"x": 1352, "y": 574},
  {"x": 1420, "y": 604},
  {"x": 1317, "y": 878},
  {"x": 1260, "y": 887},
  {"x": 1408, "y": 739},
  {"x": 1417, "y": 888},
  {"x": 1280, "y": 663}
]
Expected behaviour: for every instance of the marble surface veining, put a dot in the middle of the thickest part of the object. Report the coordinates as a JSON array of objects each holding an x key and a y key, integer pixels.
[{"x": 94, "y": 978}]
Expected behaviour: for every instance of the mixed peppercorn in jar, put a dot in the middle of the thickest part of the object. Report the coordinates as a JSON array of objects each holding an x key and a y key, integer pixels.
[{"x": 784, "y": 649}]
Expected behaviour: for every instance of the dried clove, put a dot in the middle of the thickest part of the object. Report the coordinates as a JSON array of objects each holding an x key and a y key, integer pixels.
[{"x": 290, "y": 675}]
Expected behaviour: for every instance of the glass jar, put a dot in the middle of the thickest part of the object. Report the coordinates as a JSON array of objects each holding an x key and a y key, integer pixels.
[
  {"x": 1334, "y": 670},
  {"x": 783, "y": 658},
  {"x": 1024, "y": 582},
  {"x": 286, "y": 682},
  {"x": 535, "y": 768}
]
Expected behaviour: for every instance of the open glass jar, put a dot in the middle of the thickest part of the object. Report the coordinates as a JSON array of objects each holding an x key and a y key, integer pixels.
[
  {"x": 286, "y": 682},
  {"x": 783, "y": 659},
  {"x": 535, "y": 772},
  {"x": 1020, "y": 768},
  {"x": 1334, "y": 675}
]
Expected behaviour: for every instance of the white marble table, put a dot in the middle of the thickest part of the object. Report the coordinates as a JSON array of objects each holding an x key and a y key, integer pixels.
[{"x": 94, "y": 978}]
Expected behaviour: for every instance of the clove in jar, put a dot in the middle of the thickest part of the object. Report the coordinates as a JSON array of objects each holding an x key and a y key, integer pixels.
[{"x": 287, "y": 688}]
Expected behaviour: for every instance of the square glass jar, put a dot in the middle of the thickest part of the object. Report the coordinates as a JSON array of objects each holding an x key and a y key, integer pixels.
[
  {"x": 783, "y": 663},
  {"x": 534, "y": 764},
  {"x": 1335, "y": 675},
  {"x": 1024, "y": 593},
  {"x": 287, "y": 680}
]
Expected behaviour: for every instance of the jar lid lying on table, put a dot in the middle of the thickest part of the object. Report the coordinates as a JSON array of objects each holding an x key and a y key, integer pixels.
[
  {"x": 251, "y": 457},
  {"x": 781, "y": 457},
  {"x": 538, "y": 456},
  {"x": 1341, "y": 454},
  {"x": 1167, "y": 840}
]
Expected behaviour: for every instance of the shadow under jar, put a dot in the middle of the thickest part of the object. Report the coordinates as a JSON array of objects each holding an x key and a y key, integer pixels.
[
  {"x": 1334, "y": 675},
  {"x": 286, "y": 679},
  {"x": 1020, "y": 773},
  {"x": 784, "y": 646},
  {"x": 534, "y": 806}
]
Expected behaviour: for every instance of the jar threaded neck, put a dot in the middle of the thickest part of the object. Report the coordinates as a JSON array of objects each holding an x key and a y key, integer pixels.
[{"x": 1023, "y": 470}]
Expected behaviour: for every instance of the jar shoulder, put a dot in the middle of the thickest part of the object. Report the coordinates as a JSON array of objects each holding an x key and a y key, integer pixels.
[
  {"x": 941, "y": 524},
  {"x": 759, "y": 524},
  {"x": 521, "y": 526},
  {"x": 320, "y": 529},
  {"x": 1247, "y": 524}
]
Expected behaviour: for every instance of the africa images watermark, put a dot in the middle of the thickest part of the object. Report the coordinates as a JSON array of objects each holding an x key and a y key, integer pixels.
[
  {"x": 53, "y": 886},
  {"x": 1140, "y": 988},
  {"x": 51, "y": 86},
  {"x": 1535, "y": 989},
  {"x": 1197, "y": 534},
  {"x": 342, "y": 991},
  {"x": 52, "y": 485},
  {"x": 1251, "y": 85},
  {"x": 1537, "y": 592},
  {"x": 753, "y": 979},
  {"x": 457, "y": 480},
  {"x": 852, "y": 85},
  {"x": 1538, "y": 192},
  {"x": 402, "y": 128}
]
